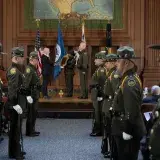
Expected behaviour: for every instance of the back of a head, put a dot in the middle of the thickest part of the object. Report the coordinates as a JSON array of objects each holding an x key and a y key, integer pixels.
[{"x": 155, "y": 90}]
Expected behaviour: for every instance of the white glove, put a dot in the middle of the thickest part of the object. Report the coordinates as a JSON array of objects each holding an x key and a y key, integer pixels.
[
  {"x": 29, "y": 99},
  {"x": 156, "y": 114},
  {"x": 18, "y": 109},
  {"x": 99, "y": 99},
  {"x": 126, "y": 136}
]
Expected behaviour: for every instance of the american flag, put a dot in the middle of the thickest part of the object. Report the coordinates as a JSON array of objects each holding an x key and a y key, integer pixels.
[
  {"x": 83, "y": 33},
  {"x": 37, "y": 48}
]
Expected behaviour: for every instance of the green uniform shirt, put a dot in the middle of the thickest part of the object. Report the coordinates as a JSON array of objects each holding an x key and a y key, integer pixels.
[
  {"x": 127, "y": 106},
  {"x": 15, "y": 82},
  {"x": 109, "y": 90},
  {"x": 98, "y": 80},
  {"x": 83, "y": 62},
  {"x": 32, "y": 81}
]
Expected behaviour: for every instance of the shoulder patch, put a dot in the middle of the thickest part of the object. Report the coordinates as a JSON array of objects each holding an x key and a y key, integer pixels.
[
  {"x": 13, "y": 71},
  {"x": 131, "y": 82},
  {"x": 28, "y": 70}
]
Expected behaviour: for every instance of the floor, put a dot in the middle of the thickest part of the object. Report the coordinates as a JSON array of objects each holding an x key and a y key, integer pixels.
[{"x": 60, "y": 139}]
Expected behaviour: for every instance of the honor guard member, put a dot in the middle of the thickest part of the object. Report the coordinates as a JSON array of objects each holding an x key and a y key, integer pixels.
[
  {"x": 96, "y": 87},
  {"x": 33, "y": 86},
  {"x": 127, "y": 123},
  {"x": 83, "y": 65},
  {"x": 154, "y": 142},
  {"x": 15, "y": 81},
  {"x": 111, "y": 83},
  {"x": 69, "y": 73}
]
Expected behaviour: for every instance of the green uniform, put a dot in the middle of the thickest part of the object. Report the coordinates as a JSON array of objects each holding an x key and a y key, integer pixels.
[
  {"x": 97, "y": 84},
  {"x": 15, "y": 81},
  {"x": 154, "y": 135},
  {"x": 69, "y": 74},
  {"x": 127, "y": 116},
  {"x": 83, "y": 65},
  {"x": 33, "y": 86},
  {"x": 109, "y": 90}
]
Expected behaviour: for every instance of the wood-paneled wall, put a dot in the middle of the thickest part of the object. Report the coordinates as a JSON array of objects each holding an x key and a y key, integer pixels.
[
  {"x": 1, "y": 20},
  {"x": 152, "y": 36},
  {"x": 141, "y": 27}
]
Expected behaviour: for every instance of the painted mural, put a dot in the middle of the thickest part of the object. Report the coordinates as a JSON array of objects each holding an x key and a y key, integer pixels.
[{"x": 94, "y": 9}]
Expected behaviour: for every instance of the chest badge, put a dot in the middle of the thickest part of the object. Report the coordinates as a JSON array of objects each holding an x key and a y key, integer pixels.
[
  {"x": 13, "y": 71},
  {"x": 28, "y": 70}
]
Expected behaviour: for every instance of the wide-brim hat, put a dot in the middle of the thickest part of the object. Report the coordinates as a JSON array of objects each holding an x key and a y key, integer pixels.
[
  {"x": 154, "y": 46},
  {"x": 126, "y": 52},
  {"x": 18, "y": 52},
  {"x": 33, "y": 55},
  {"x": 101, "y": 55},
  {"x": 112, "y": 57}
]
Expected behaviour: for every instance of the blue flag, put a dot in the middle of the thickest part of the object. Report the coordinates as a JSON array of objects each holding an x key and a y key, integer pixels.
[{"x": 60, "y": 52}]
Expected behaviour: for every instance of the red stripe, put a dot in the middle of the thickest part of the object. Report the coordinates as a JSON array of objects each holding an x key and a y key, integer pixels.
[{"x": 39, "y": 69}]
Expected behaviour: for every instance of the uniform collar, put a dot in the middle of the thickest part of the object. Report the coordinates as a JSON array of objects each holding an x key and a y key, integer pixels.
[
  {"x": 32, "y": 66},
  {"x": 111, "y": 70}
]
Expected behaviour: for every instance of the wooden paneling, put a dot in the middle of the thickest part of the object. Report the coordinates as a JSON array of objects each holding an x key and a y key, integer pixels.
[
  {"x": 152, "y": 36},
  {"x": 1, "y": 20},
  {"x": 141, "y": 27}
]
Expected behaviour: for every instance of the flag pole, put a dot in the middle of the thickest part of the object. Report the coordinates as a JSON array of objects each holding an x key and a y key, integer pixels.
[
  {"x": 83, "y": 30},
  {"x": 108, "y": 37},
  {"x": 38, "y": 26}
]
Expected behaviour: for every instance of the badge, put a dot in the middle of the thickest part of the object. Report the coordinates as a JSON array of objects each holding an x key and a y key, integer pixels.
[
  {"x": 102, "y": 70},
  {"x": 28, "y": 70},
  {"x": 131, "y": 82},
  {"x": 116, "y": 75},
  {"x": 13, "y": 71}
]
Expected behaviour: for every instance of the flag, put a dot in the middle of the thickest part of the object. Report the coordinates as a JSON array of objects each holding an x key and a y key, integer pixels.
[
  {"x": 37, "y": 48},
  {"x": 60, "y": 52},
  {"x": 108, "y": 35},
  {"x": 108, "y": 38},
  {"x": 83, "y": 33}
]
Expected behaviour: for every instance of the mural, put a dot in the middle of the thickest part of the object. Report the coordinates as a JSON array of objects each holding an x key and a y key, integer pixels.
[{"x": 94, "y": 9}]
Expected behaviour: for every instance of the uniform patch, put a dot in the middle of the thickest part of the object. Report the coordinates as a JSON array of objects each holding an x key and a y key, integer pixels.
[
  {"x": 131, "y": 82},
  {"x": 28, "y": 70},
  {"x": 13, "y": 71}
]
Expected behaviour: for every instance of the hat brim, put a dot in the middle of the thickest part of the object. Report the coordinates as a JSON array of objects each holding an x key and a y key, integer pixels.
[
  {"x": 154, "y": 46},
  {"x": 128, "y": 58},
  {"x": 111, "y": 60}
]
